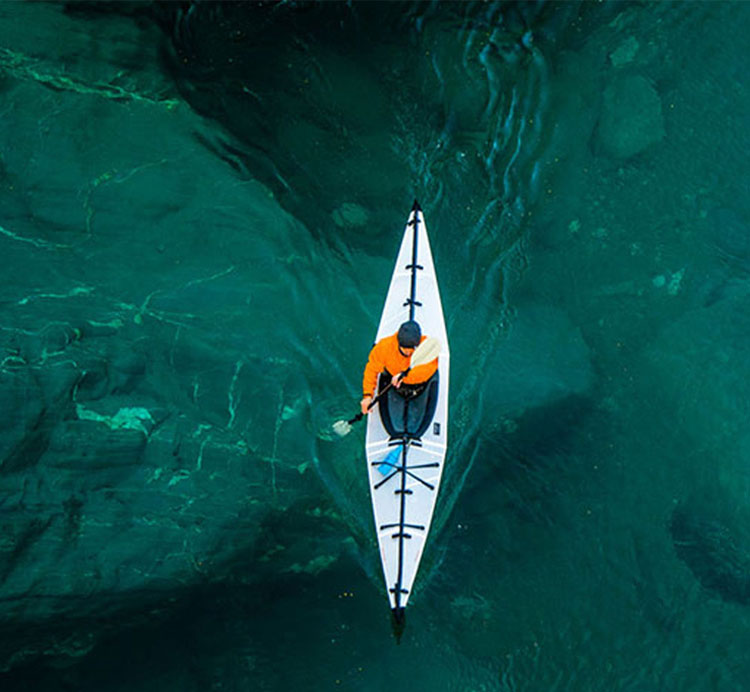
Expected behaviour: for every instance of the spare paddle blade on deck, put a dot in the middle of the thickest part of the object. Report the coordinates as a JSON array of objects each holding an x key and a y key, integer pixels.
[
  {"x": 427, "y": 351},
  {"x": 391, "y": 461}
]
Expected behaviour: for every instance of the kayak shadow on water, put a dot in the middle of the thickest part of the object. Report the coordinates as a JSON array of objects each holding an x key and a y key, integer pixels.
[{"x": 527, "y": 449}]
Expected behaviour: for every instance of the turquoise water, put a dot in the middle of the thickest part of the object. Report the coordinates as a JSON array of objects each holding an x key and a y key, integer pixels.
[{"x": 212, "y": 195}]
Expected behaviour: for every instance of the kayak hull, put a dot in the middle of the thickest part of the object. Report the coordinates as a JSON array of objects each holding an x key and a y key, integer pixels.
[{"x": 406, "y": 441}]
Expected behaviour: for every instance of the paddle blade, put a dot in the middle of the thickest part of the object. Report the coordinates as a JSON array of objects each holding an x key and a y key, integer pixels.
[
  {"x": 428, "y": 350},
  {"x": 342, "y": 428}
]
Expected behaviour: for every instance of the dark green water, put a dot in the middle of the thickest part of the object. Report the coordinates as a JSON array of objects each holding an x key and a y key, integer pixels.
[{"x": 238, "y": 176}]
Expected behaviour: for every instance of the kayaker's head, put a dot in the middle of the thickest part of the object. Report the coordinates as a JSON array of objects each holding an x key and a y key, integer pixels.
[{"x": 409, "y": 336}]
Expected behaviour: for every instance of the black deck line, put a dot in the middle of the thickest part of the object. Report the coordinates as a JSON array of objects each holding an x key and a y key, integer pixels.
[
  {"x": 429, "y": 465},
  {"x": 412, "y": 302},
  {"x": 419, "y": 527},
  {"x": 400, "y": 534},
  {"x": 404, "y": 471},
  {"x": 396, "y": 441}
]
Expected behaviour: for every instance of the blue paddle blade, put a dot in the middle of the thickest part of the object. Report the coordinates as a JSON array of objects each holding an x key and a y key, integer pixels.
[{"x": 390, "y": 461}]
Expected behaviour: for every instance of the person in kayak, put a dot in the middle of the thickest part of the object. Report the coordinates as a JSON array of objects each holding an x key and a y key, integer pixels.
[{"x": 391, "y": 356}]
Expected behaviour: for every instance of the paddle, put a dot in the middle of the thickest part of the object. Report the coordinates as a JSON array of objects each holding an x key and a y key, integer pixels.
[{"x": 428, "y": 350}]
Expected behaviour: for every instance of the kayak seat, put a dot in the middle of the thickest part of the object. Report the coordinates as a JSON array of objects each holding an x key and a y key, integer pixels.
[{"x": 408, "y": 417}]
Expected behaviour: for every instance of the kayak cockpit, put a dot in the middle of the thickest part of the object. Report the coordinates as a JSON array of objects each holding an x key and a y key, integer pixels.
[{"x": 409, "y": 416}]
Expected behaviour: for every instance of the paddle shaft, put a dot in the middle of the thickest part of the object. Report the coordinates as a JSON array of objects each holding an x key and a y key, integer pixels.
[
  {"x": 360, "y": 415},
  {"x": 426, "y": 351}
]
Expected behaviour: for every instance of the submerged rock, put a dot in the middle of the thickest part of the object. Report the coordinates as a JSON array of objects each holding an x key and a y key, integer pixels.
[
  {"x": 715, "y": 545},
  {"x": 698, "y": 370},
  {"x": 729, "y": 234},
  {"x": 625, "y": 52},
  {"x": 631, "y": 119},
  {"x": 152, "y": 414},
  {"x": 350, "y": 215}
]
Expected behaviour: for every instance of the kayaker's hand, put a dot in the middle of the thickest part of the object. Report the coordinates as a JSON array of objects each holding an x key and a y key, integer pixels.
[
  {"x": 365, "y": 404},
  {"x": 396, "y": 381}
]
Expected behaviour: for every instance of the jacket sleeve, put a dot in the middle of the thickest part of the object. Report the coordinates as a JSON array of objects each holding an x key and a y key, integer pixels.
[{"x": 374, "y": 367}]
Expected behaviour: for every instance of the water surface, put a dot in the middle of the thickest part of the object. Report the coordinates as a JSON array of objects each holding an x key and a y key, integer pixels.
[{"x": 583, "y": 173}]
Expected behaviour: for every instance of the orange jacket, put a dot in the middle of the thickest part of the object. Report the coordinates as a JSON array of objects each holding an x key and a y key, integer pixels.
[{"x": 386, "y": 356}]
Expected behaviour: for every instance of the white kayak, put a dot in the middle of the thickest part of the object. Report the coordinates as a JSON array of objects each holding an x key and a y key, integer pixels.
[{"x": 407, "y": 439}]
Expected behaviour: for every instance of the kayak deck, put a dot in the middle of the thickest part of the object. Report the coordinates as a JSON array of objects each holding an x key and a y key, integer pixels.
[{"x": 405, "y": 465}]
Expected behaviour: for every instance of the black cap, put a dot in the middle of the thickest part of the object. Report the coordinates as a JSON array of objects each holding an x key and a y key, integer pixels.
[{"x": 409, "y": 334}]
